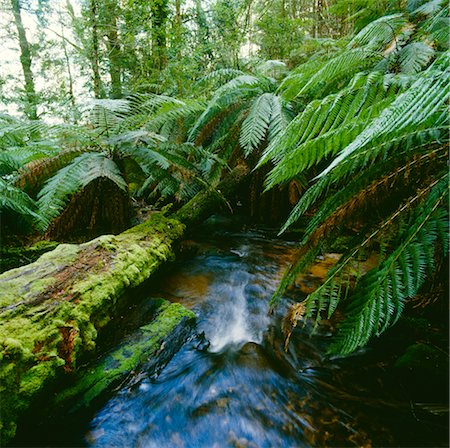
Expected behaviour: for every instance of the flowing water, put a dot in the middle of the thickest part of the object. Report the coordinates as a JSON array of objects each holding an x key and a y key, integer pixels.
[{"x": 242, "y": 389}]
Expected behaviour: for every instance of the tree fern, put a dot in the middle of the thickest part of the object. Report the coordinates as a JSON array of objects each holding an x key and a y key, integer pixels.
[
  {"x": 14, "y": 200},
  {"x": 386, "y": 144},
  {"x": 80, "y": 172}
]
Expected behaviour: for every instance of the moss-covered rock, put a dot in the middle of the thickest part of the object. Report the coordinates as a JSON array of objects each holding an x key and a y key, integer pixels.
[
  {"x": 51, "y": 310},
  {"x": 153, "y": 345}
]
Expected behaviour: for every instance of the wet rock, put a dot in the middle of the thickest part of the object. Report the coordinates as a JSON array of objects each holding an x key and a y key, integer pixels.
[{"x": 203, "y": 343}]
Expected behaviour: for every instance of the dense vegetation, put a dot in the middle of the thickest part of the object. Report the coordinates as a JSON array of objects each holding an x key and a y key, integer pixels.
[{"x": 344, "y": 105}]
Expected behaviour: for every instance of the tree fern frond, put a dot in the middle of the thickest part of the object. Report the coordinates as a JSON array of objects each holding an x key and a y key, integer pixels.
[
  {"x": 430, "y": 141},
  {"x": 255, "y": 126},
  {"x": 17, "y": 201},
  {"x": 341, "y": 67},
  {"x": 434, "y": 194},
  {"x": 8, "y": 163},
  {"x": 427, "y": 95},
  {"x": 379, "y": 33},
  {"x": 380, "y": 295},
  {"x": 32, "y": 176},
  {"x": 80, "y": 172},
  {"x": 414, "y": 57},
  {"x": 430, "y": 8},
  {"x": 322, "y": 127},
  {"x": 221, "y": 75}
]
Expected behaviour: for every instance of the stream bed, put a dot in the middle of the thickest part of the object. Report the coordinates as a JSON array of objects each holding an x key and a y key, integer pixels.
[{"x": 237, "y": 386}]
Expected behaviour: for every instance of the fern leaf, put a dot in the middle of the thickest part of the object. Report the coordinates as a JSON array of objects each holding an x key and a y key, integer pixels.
[{"x": 255, "y": 126}]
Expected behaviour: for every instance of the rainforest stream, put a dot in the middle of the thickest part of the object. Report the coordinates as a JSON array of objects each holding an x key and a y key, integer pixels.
[{"x": 236, "y": 386}]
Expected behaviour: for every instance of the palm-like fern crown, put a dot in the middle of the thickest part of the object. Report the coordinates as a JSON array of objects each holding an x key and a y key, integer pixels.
[
  {"x": 51, "y": 163},
  {"x": 245, "y": 105},
  {"x": 379, "y": 147}
]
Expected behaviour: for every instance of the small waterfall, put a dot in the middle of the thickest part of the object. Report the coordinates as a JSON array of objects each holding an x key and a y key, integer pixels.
[{"x": 231, "y": 321}]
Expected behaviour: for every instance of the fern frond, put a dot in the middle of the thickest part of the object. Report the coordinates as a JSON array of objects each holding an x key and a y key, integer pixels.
[
  {"x": 430, "y": 8},
  {"x": 379, "y": 33},
  {"x": 340, "y": 68},
  {"x": 414, "y": 57},
  {"x": 17, "y": 201},
  {"x": 8, "y": 164},
  {"x": 318, "y": 301},
  {"x": 380, "y": 295},
  {"x": 221, "y": 75},
  {"x": 322, "y": 129},
  {"x": 255, "y": 126},
  {"x": 78, "y": 174},
  {"x": 32, "y": 176},
  {"x": 425, "y": 97}
]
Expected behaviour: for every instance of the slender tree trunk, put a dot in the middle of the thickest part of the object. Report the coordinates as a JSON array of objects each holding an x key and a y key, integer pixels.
[
  {"x": 25, "y": 60},
  {"x": 114, "y": 49},
  {"x": 69, "y": 74},
  {"x": 203, "y": 29},
  {"x": 160, "y": 13},
  {"x": 178, "y": 13},
  {"x": 95, "y": 49}
]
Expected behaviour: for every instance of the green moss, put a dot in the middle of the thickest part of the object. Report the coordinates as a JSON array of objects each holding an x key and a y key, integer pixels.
[
  {"x": 138, "y": 348},
  {"x": 12, "y": 257},
  {"x": 52, "y": 310}
]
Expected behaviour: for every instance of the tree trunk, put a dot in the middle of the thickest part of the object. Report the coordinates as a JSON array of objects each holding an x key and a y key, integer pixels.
[
  {"x": 160, "y": 12},
  {"x": 95, "y": 49},
  {"x": 69, "y": 74},
  {"x": 25, "y": 60},
  {"x": 114, "y": 50}
]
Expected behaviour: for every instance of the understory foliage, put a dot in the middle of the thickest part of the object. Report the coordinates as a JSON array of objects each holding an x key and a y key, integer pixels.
[
  {"x": 374, "y": 134},
  {"x": 127, "y": 145}
]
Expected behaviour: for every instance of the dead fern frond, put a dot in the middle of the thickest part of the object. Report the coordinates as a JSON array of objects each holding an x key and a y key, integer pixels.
[
  {"x": 33, "y": 175},
  {"x": 290, "y": 321}
]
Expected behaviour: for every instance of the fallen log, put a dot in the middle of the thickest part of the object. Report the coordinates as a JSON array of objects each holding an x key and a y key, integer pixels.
[
  {"x": 52, "y": 310},
  {"x": 152, "y": 345}
]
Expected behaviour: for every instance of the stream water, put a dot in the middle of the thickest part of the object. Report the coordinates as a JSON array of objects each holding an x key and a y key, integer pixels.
[{"x": 244, "y": 390}]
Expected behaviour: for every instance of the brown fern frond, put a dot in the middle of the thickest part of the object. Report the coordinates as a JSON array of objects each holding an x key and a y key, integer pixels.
[
  {"x": 294, "y": 191},
  {"x": 211, "y": 126},
  {"x": 403, "y": 181},
  {"x": 101, "y": 207},
  {"x": 290, "y": 321},
  {"x": 33, "y": 175}
]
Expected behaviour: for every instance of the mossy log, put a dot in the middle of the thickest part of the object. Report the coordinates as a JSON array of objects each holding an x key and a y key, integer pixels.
[
  {"x": 152, "y": 345},
  {"x": 208, "y": 201},
  {"x": 52, "y": 310}
]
